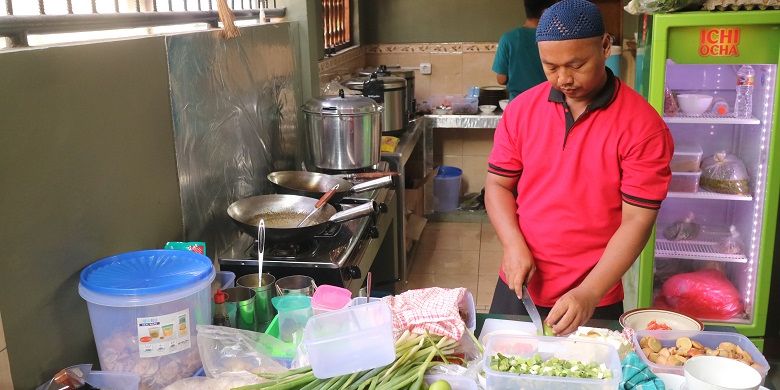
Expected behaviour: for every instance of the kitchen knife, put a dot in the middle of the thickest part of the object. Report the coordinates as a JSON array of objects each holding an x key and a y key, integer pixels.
[{"x": 530, "y": 307}]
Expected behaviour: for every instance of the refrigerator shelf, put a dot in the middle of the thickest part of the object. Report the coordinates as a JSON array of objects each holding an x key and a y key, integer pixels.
[
  {"x": 704, "y": 194},
  {"x": 694, "y": 250},
  {"x": 711, "y": 119}
]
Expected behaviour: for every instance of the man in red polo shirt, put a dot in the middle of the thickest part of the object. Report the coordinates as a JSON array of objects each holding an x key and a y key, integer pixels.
[{"x": 578, "y": 170}]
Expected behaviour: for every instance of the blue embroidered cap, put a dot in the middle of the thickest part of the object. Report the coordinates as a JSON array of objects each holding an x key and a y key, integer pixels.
[{"x": 570, "y": 19}]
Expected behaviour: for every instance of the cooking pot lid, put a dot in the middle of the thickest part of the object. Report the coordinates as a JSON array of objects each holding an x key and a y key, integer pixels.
[
  {"x": 391, "y": 82},
  {"x": 341, "y": 104},
  {"x": 387, "y": 70}
]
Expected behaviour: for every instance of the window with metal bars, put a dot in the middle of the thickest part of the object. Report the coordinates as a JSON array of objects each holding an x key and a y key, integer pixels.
[
  {"x": 50, "y": 21},
  {"x": 338, "y": 25}
]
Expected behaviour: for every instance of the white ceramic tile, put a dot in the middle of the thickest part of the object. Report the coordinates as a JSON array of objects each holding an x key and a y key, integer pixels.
[
  {"x": 446, "y": 262},
  {"x": 468, "y": 281}
]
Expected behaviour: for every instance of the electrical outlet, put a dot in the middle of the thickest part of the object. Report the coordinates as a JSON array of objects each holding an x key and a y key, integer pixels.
[{"x": 425, "y": 68}]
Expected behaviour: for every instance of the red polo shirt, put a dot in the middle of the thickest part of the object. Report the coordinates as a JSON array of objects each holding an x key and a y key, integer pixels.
[{"x": 574, "y": 176}]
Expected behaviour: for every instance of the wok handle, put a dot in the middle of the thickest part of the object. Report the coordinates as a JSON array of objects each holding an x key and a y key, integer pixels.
[
  {"x": 355, "y": 212},
  {"x": 368, "y": 175},
  {"x": 325, "y": 198},
  {"x": 386, "y": 181}
]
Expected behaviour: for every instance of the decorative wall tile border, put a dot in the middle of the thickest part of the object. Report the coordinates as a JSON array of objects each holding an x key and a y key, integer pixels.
[
  {"x": 341, "y": 59},
  {"x": 432, "y": 48}
]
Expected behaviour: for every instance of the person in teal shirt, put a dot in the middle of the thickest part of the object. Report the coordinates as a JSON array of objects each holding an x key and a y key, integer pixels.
[{"x": 517, "y": 64}]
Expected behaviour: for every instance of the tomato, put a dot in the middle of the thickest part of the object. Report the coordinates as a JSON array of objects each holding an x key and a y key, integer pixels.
[{"x": 653, "y": 325}]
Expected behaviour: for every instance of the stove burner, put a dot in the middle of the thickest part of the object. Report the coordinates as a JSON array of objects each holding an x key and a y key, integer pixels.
[{"x": 299, "y": 250}]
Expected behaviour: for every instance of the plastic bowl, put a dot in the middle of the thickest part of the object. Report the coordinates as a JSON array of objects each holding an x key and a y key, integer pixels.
[
  {"x": 693, "y": 104},
  {"x": 487, "y": 108},
  {"x": 503, "y": 103},
  {"x": 715, "y": 372}
]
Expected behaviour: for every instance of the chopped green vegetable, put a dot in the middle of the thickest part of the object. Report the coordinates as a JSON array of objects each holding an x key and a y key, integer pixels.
[
  {"x": 548, "y": 330},
  {"x": 551, "y": 367}
]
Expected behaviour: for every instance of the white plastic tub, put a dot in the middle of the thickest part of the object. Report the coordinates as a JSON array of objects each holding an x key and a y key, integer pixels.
[
  {"x": 144, "y": 307},
  {"x": 354, "y": 339},
  {"x": 548, "y": 347}
]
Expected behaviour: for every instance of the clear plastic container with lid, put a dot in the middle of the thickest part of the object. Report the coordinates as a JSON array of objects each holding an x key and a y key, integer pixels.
[
  {"x": 685, "y": 182},
  {"x": 686, "y": 158},
  {"x": 346, "y": 341},
  {"x": 549, "y": 347},
  {"x": 144, "y": 307}
]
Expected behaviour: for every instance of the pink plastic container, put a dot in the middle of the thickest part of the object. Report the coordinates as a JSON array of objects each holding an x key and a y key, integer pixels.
[{"x": 329, "y": 298}]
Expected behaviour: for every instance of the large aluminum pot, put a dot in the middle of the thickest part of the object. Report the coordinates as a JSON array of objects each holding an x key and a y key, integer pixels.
[
  {"x": 395, "y": 70},
  {"x": 392, "y": 97},
  {"x": 343, "y": 132}
]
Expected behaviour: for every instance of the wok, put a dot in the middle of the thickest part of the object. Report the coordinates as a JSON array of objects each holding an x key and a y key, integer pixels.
[
  {"x": 283, "y": 212},
  {"x": 314, "y": 184}
]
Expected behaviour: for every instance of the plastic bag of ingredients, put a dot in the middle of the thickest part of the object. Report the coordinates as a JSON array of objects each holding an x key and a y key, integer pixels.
[
  {"x": 685, "y": 229},
  {"x": 704, "y": 294},
  {"x": 227, "y": 351},
  {"x": 731, "y": 245},
  {"x": 636, "y": 7},
  {"x": 724, "y": 173}
]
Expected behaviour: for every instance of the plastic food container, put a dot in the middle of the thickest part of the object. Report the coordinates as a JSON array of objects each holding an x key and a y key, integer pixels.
[
  {"x": 351, "y": 340},
  {"x": 548, "y": 347},
  {"x": 686, "y": 158},
  {"x": 113, "y": 380},
  {"x": 328, "y": 298},
  {"x": 465, "y": 105},
  {"x": 456, "y": 382},
  {"x": 684, "y": 182},
  {"x": 144, "y": 307},
  {"x": 707, "y": 339},
  {"x": 294, "y": 312}
]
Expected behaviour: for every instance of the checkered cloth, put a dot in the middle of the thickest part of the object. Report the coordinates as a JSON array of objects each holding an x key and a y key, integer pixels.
[
  {"x": 637, "y": 376},
  {"x": 434, "y": 310}
]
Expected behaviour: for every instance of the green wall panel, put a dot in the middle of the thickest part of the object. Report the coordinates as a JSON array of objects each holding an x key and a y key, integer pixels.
[
  {"x": 87, "y": 170},
  {"x": 410, "y": 21}
]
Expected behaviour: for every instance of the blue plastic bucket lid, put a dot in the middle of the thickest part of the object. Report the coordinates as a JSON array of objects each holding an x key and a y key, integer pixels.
[
  {"x": 156, "y": 274},
  {"x": 447, "y": 171}
]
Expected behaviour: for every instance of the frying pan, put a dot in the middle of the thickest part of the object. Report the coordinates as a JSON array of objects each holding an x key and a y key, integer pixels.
[
  {"x": 314, "y": 184},
  {"x": 283, "y": 212}
]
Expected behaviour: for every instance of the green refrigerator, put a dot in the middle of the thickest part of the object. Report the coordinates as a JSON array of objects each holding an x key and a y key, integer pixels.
[{"x": 710, "y": 255}]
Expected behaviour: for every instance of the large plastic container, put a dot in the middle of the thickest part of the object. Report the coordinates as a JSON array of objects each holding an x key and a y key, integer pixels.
[
  {"x": 685, "y": 182},
  {"x": 355, "y": 339},
  {"x": 144, "y": 307},
  {"x": 707, "y": 339},
  {"x": 446, "y": 189},
  {"x": 548, "y": 347},
  {"x": 686, "y": 158}
]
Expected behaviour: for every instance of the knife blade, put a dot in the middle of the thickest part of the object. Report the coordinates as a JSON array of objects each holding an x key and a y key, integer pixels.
[{"x": 533, "y": 312}]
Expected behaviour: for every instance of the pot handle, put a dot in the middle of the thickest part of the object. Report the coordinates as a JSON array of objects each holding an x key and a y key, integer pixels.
[
  {"x": 355, "y": 212},
  {"x": 382, "y": 182}
]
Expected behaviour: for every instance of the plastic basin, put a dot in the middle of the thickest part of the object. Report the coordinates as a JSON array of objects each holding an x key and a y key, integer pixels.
[
  {"x": 548, "y": 347},
  {"x": 355, "y": 339},
  {"x": 144, "y": 307}
]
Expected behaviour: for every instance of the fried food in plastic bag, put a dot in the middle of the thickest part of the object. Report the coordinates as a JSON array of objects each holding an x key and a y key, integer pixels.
[{"x": 684, "y": 229}]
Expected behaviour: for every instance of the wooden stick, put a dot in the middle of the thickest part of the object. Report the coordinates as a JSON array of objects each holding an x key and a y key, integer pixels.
[{"x": 229, "y": 29}]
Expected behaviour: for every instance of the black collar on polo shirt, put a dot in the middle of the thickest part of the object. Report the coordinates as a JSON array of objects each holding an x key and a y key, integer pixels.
[{"x": 604, "y": 97}]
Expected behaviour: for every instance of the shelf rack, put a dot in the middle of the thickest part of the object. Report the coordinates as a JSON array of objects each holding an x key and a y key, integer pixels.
[
  {"x": 703, "y": 194},
  {"x": 711, "y": 119},
  {"x": 703, "y": 248}
]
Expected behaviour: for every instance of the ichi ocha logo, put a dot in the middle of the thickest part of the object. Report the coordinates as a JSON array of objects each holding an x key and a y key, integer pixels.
[{"x": 719, "y": 42}]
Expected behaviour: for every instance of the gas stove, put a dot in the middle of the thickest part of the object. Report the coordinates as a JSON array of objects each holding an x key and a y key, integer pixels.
[{"x": 340, "y": 256}]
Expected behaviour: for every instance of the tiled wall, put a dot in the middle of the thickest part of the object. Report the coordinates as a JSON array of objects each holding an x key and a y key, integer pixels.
[{"x": 467, "y": 149}]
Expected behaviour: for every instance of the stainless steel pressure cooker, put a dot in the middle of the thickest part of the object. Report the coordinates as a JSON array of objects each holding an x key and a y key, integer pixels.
[
  {"x": 390, "y": 92},
  {"x": 343, "y": 132}
]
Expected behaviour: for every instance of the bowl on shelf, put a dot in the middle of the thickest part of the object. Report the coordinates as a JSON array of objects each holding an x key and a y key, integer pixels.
[
  {"x": 503, "y": 103},
  {"x": 693, "y": 104},
  {"x": 487, "y": 108},
  {"x": 639, "y": 319}
]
